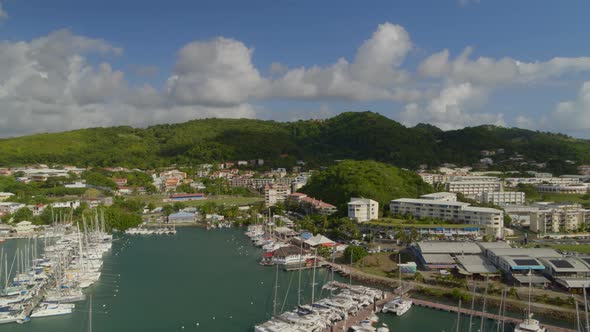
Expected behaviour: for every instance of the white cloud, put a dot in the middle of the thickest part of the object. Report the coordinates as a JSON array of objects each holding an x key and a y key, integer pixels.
[
  {"x": 455, "y": 107},
  {"x": 219, "y": 72},
  {"x": 493, "y": 72},
  {"x": 53, "y": 81},
  {"x": 375, "y": 73},
  {"x": 574, "y": 115}
]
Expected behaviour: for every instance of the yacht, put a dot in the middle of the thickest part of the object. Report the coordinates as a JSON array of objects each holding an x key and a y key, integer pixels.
[
  {"x": 530, "y": 325},
  {"x": 52, "y": 309},
  {"x": 399, "y": 306}
]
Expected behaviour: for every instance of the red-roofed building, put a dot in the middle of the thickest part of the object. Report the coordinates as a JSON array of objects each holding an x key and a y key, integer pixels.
[{"x": 120, "y": 181}]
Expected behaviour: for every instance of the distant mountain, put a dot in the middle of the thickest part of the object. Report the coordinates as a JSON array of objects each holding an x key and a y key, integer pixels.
[{"x": 352, "y": 135}]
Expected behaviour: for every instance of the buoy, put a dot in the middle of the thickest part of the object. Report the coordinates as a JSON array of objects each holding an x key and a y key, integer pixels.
[{"x": 213, "y": 317}]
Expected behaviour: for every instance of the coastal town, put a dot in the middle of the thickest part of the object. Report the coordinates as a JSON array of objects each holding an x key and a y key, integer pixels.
[{"x": 481, "y": 229}]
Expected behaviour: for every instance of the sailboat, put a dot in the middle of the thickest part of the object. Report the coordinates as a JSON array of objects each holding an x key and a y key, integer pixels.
[
  {"x": 529, "y": 324},
  {"x": 399, "y": 305}
]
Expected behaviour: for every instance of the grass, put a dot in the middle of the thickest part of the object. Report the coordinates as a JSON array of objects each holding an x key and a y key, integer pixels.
[
  {"x": 581, "y": 248},
  {"x": 379, "y": 264},
  {"x": 574, "y": 198},
  {"x": 221, "y": 200}
]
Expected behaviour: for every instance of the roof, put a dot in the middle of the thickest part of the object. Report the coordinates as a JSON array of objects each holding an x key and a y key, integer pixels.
[
  {"x": 476, "y": 264},
  {"x": 482, "y": 209},
  {"x": 439, "y": 247},
  {"x": 533, "y": 252},
  {"x": 439, "y": 194},
  {"x": 565, "y": 264},
  {"x": 573, "y": 282},
  {"x": 429, "y": 202},
  {"x": 438, "y": 259},
  {"x": 319, "y": 240},
  {"x": 181, "y": 214},
  {"x": 534, "y": 279},
  {"x": 493, "y": 245},
  {"x": 361, "y": 201},
  {"x": 523, "y": 262},
  {"x": 287, "y": 251}
]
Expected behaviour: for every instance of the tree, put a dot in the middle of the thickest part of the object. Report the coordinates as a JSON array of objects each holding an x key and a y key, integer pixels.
[
  {"x": 22, "y": 214},
  {"x": 357, "y": 253},
  {"x": 151, "y": 206}
]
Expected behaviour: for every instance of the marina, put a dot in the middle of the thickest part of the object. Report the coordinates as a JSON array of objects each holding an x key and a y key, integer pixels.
[{"x": 214, "y": 283}]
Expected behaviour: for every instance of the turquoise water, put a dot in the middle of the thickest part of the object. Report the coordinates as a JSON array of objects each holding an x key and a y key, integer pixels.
[{"x": 210, "y": 278}]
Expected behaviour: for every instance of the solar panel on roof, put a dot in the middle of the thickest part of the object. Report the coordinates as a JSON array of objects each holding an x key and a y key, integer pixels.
[
  {"x": 562, "y": 264},
  {"x": 522, "y": 262}
]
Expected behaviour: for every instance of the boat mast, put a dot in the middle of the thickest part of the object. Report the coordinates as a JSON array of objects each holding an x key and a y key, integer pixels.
[
  {"x": 577, "y": 314},
  {"x": 459, "y": 317},
  {"x": 90, "y": 315},
  {"x": 315, "y": 258},
  {"x": 274, "y": 303},
  {"x": 472, "y": 305},
  {"x": 300, "y": 268},
  {"x": 586, "y": 309},
  {"x": 483, "y": 310}
]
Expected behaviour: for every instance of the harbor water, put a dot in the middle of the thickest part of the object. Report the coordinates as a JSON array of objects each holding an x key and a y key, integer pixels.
[{"x": 198, "y": 280}]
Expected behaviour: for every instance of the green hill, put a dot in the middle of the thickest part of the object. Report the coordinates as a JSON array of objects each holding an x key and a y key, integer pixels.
[
  {"x": 369, "y": 179},
  {"x": 353, "y": 135}
]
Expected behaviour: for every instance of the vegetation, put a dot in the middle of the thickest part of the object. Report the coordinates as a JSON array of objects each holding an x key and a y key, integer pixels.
[
  {"x": 354, "y": 135},
  {"x": 379, "y": 264},
  {"x": 357, "y": 253},
  {"x": 370, "y": 179}
]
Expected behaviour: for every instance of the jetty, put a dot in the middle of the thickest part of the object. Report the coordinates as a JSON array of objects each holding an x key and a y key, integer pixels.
[
  {"x": 363, "y": 314},
  {"x": 486, "y": 315}
]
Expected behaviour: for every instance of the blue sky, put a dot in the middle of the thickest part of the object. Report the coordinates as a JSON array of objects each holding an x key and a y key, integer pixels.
[{"x": 144, "y": 62}]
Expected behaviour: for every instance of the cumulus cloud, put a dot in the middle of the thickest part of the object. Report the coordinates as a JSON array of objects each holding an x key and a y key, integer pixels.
[
  {"x": 52, "y": 80},
  {"x": 48, "y": 84},
  {"x": 374, "y": 74},
  {"x": 574, "y": 115},
  {"x": 455, "y": 107},
  {"x": 493, "y": 72},
  {"x": 219, "y": 72}
]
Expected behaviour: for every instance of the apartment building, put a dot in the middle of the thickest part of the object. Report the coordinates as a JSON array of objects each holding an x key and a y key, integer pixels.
[
  {"x": 276, "y": 193},
  {"x": 472, "y": 188},
  {"x": 559, "y": 218},
  {"x": 491, "y": 219},
  {"x": 562, "y": 188},
  {"x": 502, "y": 197},
  {"x": 363, "y": 209}
]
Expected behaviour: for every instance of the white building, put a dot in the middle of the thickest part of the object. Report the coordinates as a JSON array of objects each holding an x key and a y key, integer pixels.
[
  {"x": 363, "y": 209},
  {"x": 68, "y": 204},
  {"x": 276, "y": 193},
  {"x": 502, "y": 197},
  {"x": 559, "y": 218},
  {"x": 24, "y": 227},
  {"x": 562, "y": 188},
  {"x": 491, "y": 219},
  {"x": 473, "y": 188},
  {"x": 4, "y": 196},
  {"x": 513, "y": 182},
  {"x": 441, "y": 196}
]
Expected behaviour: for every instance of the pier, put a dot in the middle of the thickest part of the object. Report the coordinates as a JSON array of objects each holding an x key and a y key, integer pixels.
[
  {"x": 486, "y": 315},
  {"x": 363, "y": 314}
]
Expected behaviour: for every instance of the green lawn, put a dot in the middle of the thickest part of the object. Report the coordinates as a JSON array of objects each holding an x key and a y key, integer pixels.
[
  {"x": 581, "y": 248},
  {"x": 551, "y": 197},
  {"x": 227, "y": 200}
]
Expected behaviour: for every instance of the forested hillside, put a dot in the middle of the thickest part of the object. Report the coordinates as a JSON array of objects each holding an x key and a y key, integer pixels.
[{"x": 352, "y": 135}]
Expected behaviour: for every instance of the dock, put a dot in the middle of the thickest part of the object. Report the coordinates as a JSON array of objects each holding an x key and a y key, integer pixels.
[
  {"x": 487, "y": 315},
  {"x": 363, "y": 314}
]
